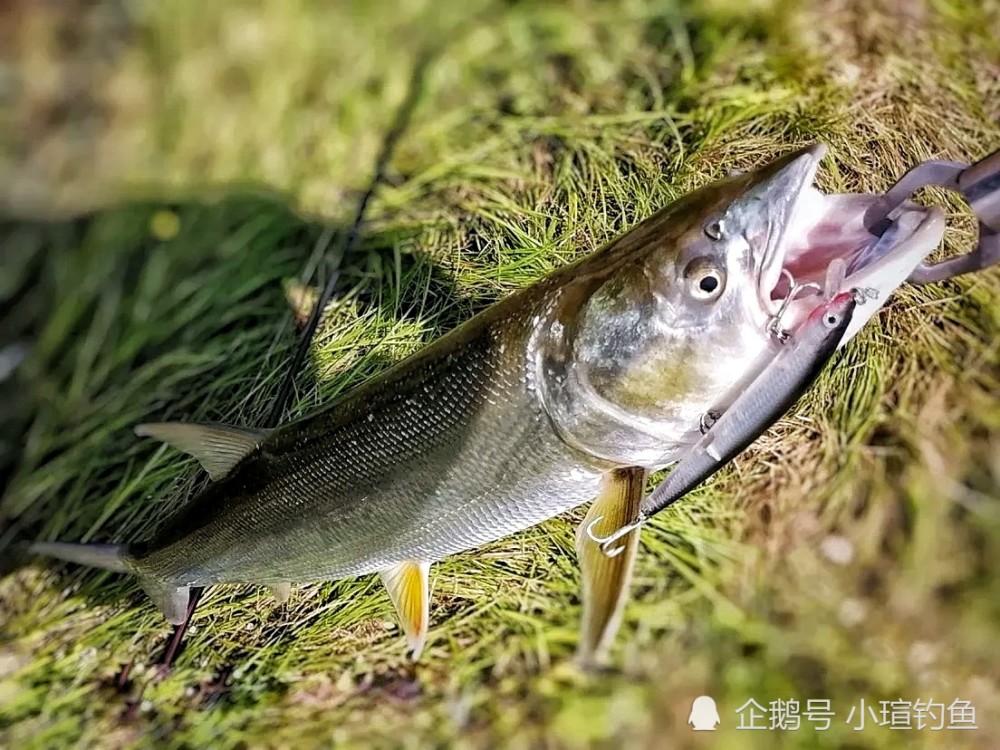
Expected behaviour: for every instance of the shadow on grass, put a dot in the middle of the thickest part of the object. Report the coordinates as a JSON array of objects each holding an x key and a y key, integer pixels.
[{"x": 171, "y": 311}]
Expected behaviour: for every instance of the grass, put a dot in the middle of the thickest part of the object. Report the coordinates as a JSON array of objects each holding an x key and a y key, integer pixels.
[{"x": 169, "y": 171}]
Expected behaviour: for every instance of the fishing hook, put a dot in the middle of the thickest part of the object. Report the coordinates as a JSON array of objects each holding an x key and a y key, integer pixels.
[
  {"x": 794, "y": 289},
  {"x": 614, "y": 536}
]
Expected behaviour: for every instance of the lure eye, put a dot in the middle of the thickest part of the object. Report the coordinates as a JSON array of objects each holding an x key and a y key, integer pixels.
[
  {"x": 714, "y": 230},
  {"x": 705, "y": 281}
]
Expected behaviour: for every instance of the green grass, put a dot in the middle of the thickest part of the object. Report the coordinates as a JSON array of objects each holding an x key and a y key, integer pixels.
[{"x": 205, "y": 149}]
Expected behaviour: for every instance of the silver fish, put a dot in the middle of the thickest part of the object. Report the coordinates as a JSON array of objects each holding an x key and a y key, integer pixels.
[{"x": 571, "y": 389}]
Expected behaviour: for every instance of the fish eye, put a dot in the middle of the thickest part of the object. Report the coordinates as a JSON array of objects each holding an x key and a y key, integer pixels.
[
  {"x": 704, "y": 279},
  {"x": 831, "y": 320}
]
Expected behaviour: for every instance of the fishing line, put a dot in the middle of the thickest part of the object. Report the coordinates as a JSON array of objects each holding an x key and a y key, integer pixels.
[{"x": 392, "y": 137}]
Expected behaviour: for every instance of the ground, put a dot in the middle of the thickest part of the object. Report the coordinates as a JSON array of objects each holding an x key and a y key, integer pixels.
[{"x": 171, "y": 172}]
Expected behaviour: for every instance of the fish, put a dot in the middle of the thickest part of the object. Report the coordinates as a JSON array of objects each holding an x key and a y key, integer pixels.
[
  {"x": 570, "y": 390},
  {"x": 784, "y": 377}
]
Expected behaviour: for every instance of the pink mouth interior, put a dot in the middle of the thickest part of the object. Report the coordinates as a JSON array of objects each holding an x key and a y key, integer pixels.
[{"x": 825, "y": 228}]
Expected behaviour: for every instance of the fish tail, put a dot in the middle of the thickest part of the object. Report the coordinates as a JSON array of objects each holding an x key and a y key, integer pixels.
[
  {"x": 171, "y": 600},
  {"x": 104, "y": 556}
]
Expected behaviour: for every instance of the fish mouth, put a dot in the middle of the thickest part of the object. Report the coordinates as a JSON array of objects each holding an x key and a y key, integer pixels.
[
  {"x": 780, "y": 189},
  {"x": 830, "y": 243}
]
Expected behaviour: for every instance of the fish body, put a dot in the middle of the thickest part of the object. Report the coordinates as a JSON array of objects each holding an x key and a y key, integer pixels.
[
  {"x": 572, "y": 388},
  {"x": 445, "y": 453},
  {"x": 494, "y": 428}
]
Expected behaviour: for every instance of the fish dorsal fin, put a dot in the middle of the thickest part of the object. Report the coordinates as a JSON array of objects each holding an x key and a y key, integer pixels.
[
  {"x": 606, "y": 579},
  {"x": 409, "y": 590},
  {"x": 218, "y": 447}
]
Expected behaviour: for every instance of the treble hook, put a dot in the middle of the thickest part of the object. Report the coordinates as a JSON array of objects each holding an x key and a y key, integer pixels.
[
  {"x": 774, "y": 323},
  {"x": 614, "y": 536}
]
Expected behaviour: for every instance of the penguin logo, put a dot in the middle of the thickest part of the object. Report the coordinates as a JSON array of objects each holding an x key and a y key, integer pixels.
[{"x": 704, "y": 715}]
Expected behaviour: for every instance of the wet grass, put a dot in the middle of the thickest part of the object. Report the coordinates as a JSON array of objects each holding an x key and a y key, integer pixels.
[{"x": 163, "y": 198}]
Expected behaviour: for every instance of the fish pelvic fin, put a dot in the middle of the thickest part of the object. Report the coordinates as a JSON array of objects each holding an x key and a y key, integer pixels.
[
  {"x": 409, "y": 589},
  {"x": 217, "y": 447},
  {"x": 172, "y": 600},
  {"x": 605, "y": 580}
]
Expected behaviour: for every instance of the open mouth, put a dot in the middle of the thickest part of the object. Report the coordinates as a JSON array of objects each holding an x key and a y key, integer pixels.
[{"x": 831, "y": 244}]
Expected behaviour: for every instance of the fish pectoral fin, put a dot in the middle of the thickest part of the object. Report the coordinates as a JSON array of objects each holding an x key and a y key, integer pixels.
[
  {"x": 605, "y": 580},
  {"x": 281, "y": 592},
  {"x": 410, "y": 593},
  {"x": 217, "y": 447}
]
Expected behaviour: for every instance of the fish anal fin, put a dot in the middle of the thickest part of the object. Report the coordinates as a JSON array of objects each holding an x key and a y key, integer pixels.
[
  {"x": 281, "y": 592},
  {"x": 172, "y": 601},
  {"x": 605, "y": 580},
  {"x": 409, "y": 590},
  {"x": 217, "y": 447}
]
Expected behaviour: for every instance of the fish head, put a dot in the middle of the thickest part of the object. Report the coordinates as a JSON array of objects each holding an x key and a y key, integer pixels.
[
  {"x": 672, "y": 315},
  {"x": 721, "y": 270},
  {"x": 673, "y": 318},
  {"x": 775, "y": 233}
]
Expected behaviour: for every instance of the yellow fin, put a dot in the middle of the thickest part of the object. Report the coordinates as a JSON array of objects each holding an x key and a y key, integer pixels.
[
  {"x": 218, "y": 447},
  {"x": 605, "y": 580},
  {"x": 410, "y": 593}
]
